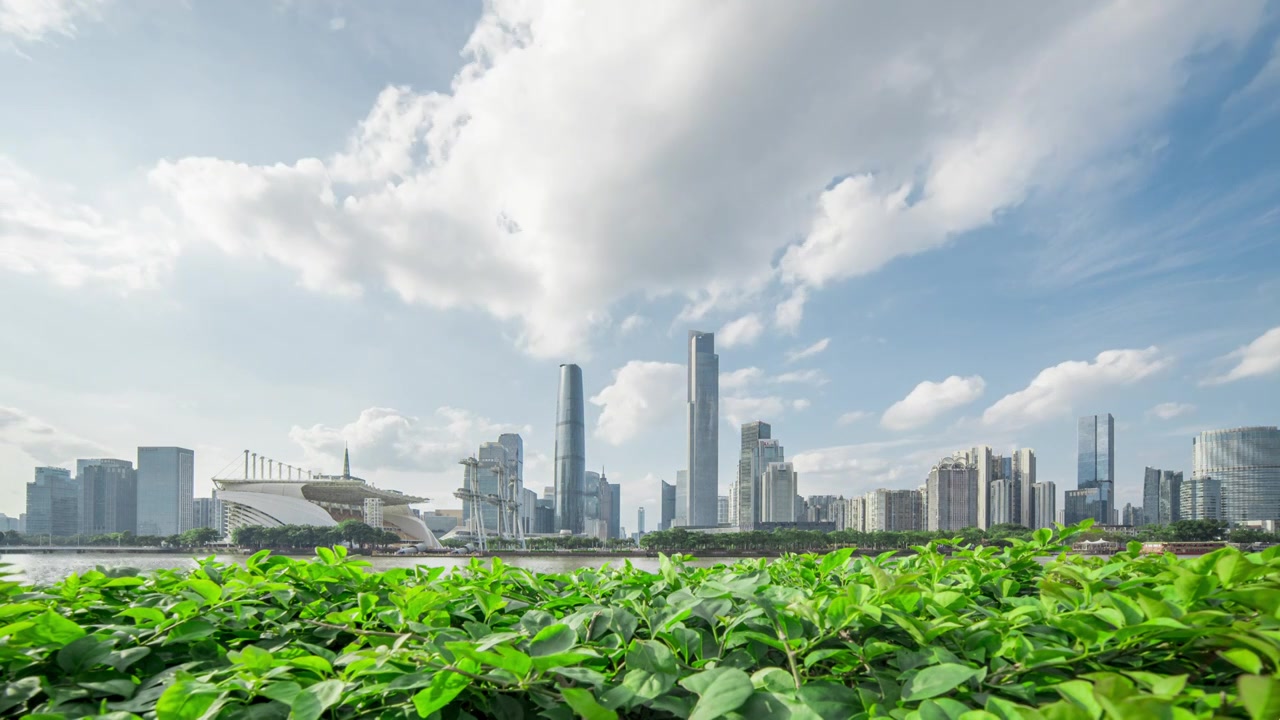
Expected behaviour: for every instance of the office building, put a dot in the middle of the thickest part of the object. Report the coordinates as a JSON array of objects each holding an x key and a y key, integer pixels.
[
  {"x": 745, "y": 510},
  {"x": 207, "y": 513},
  {"x": 1095, "y": 470},
  {"x": 1024, "y": 476},
  {"x": 1246, "y": 463},
  {"x": 1002, "y": 501},
  {"x": 528, "y": 509},
  {"x": 640, "y": 520},
  {"x": 615, "y": 510},
  {"x": 571, "y": 450},
  {"x": 1200, "y": 499},
  {"x": 778, "y": 493},
  {"x": 53, "y": 503},
  {"x": 702, "y": 483},
  {"x": 1131, "y": 516},
  {"x": 667, "y": 509},
  {"x": 722, "y": 510},
  {"x": 108, "y": 496},
  {"x": 983, "y": 461},
  {"x": 166, "y": 486},
  {"x": 1044, "y": 501},
  {"x": 1161, "y": 497},
  {"x": 544, "y": 516},
  {"x": 1080, "y": 505},
  {"x": 894, "y": 510},
  {"x": 594, "y": 524},
  {"x": 855, "y": 514},
  {"x": 11, "y": 524},
  {"x": 952, "y": 495}
]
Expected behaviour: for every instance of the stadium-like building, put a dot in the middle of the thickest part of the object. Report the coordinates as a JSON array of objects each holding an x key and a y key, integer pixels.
[{"x": 321, "y": 500}]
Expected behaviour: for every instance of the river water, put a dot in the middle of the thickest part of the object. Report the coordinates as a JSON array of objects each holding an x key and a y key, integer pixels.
[{"x": 46, "y": 569}]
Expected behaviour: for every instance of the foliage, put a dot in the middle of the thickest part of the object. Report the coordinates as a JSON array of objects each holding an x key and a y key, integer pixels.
[
  {"x": 294, "y": 537},
  {"x": 984, "y": 633},
  {"x": 196, "y": 537}
]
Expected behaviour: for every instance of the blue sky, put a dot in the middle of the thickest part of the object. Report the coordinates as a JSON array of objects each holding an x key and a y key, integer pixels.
[{"x": 289, "y": 226}]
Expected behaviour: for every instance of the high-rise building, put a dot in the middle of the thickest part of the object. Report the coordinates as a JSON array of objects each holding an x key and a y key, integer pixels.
[
  {"x": 722, "y": 510},
  {"x": 571, "y": 450},
  {"x": 704, "y": 431},
  {"x": 594, "y": 522},
  {"x": 1246, "y": 463},
  {"x": 493, "y": 463},
  {"x": 1131, "y": 516},
  {"x": 1024, "y": 476},
  {"x": 108, "y": 496},
  {"x": 1161, "y": 497},
  {"x": 894, "y": 510},
  {"x": 514, "y": 445},
  {"x": 983, "y": 461},
  {"x": 166, "y": 487},
  {"x": 681, "y": 519},
  {"x": 952, "y": 500},
  {"x": 745, "y": 510},
  {"x": 640, "y": 520},
  {"x": 667, "y": 510},
  {"x": 207, "y": 513},
  {"x": 1002, "y": 502},
  {"x": 1082, "y": 504},
  {"x": 528, "y": 510},
  {"x": 1201, "y": 499},
  {"x": 1095, "y": 470},
  {"x": 778, "y": 493},
  {"x": 615, "y": 510},
  {"x": 1044, "y": 500},
  {"x": 855, "y": 516},
  {"x": 53, "y": 503}
]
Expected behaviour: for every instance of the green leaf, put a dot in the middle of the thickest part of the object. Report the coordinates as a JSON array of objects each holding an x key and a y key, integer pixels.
[
  {"x": 123, "y": 659},
  {"x": 1260, "y": 696},
  {"x": 651, "y": 668},
  {"x": 311, "y": 703},
  {"x": 584, "y": 703},
  {"x": 186, "y": 700},
  {"x": 502, "y": 657},
  {"x": 936, "y": 680},
  {"x": 152, "y": 616},
  {"x": 17, "y": 692},
  {"x": 553, "y": 639},
  {"x": 50, "y": 628},
  {"x": 207, "y": 589},
  {"x": 941, "y": 709},
  {"x": 1246, "y": 660},
  {"x": 190, "y": 631},
  {"x": 283, "y": 692},
  {"x": 1080, "y": 694},
  {"x": 120, "y": 686},
  {"x": 444, "y": 687},
  {"x": 719, "y": 691},
  {"x": 83, "y": 654}
]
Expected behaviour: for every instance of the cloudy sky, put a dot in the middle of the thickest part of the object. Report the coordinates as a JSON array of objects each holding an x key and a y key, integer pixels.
[{"x": 914, "y": 227}]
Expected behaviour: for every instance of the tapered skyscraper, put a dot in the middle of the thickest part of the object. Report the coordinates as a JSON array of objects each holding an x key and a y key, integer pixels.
[
  {"x": 704, "y": 426},
  {"x": 571, "y": 450},
  {"x": 1095, "y": 471}
]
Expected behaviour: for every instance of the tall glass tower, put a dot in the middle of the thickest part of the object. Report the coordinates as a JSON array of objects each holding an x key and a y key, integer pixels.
[
  {"x": 1245, "y": 462},
  {"x": 704, "y": 431},
  {"x": 1096, "y": 466},
  {"x": 571, "y": 450}
]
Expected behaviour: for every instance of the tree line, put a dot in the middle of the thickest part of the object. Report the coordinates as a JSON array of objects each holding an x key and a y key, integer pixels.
[
  {"x": 307, "y": 537},
  {"x": 195, "y": 537}
]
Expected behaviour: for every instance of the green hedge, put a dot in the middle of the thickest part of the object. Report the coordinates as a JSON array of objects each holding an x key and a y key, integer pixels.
[{"x": 980, "y": 634}]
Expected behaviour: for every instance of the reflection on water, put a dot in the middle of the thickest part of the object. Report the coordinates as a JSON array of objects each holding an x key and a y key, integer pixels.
[{"x": 46, "y": 569}]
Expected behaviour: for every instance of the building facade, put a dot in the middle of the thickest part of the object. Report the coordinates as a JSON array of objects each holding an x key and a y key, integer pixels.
[
  {"x": 1200, "y": 499},
  {"x": 1044, "y": 500},
  {"x": 1024, "y": 476},
  {"x": 1095, "y": 470},
  {"x": 667, "y": 511},
  {"x": 894, "y": 510},
  {"x": 640, "y": 520},
  {"x": 53, "y": 503},
  {"x": 952, "y": 500},
  {"x": 704, "y": 431},
  {"x": 166, "y": 487},
  {"x": 571, "y": 450},
  {"x": 207, "y": 513},
  {"x": 778, "y": 493},
  {"x": 1246, "y": 463},
  {"x": 108, "y": 496},
  {"x": 745, "y": 503},
  {"x": 722, "y": 510},
  {"x": 1161, "y": 496}
]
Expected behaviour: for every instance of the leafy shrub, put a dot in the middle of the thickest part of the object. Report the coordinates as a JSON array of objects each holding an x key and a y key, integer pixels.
[{"x": 980, "y": 634}]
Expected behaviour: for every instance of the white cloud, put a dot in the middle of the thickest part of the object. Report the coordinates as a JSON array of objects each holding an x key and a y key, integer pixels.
[
  {"x": 800, "y": 404},
  {"x": 850, "y": 418},
  {"x": 33, "y": 20},
  {"x": 42, "y": 441},
  {"x": 737, "y": 410},
  {"x": 1260, "y": 357},
  {"x": 385, "y": 439},
  {"x": 738, "y": 379},
  {"x": 1170, "y": 410},
  {"x": 1055, "y": 390},
  {"x": 807, "y": 352},
  {"x": 631, "y": 323},
  {"x": 642, "y": 395},
  {"x": 743, "y": 331},
  {"x": 338, "y": 23},
  {"x": 808, "y": 377},
  {"x": 631, "y": 175},
  {"x": 929, "y": 400}
]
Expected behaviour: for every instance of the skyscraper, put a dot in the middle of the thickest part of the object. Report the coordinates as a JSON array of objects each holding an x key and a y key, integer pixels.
[
  {"x": 1161, "y": 496},
  {"x": 667, "y": 510},
  {"x": 1246, "y": 463},
  {"x": 778, "y": 493},
  {"x": 53, "y": 503},
  {"x": 493, "y": 462},
  {"x": 952, "y": 502},
  {"x": 1024, "y": 476},
  {"x": 1095, "y": 470},
  {"x": 703, "y": 483},
  {"x": 593, "y": 522},
  {"x": 1044, "y": 498},
  {"x": 746, "y": 498},
  {"x": 571, "y": 450},
  {"x": 166, "y": 485},
  {"x": 108, "y": 496},
  {"x": 207, "y": 513},
  {"x": 983, "y": 461},
  {"x": 640, "y": 520},
  {"x": 1201, "y": 499},
  {"x": 722, "y": 510},
  {"x": 615, "y": 510},
  {"x": 515, "y": 469}
]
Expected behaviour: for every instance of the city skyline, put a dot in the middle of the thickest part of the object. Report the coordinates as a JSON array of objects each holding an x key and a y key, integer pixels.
[{"x": 295, "y": 256}]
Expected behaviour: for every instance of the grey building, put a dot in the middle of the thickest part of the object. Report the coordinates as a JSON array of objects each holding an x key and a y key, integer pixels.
[
  {"x": 207, "y": 513},
  {"x": 952, "y": 495},
  {"x": 1131, "y": 516},
  {"x": 746, "y": 512},
  {"x": 544, "y": 516},
  {"x": 571, "y": 451},
  {"x": 703, "y": 482},
  {"x": 53, "y": 503},
  {"x": 640, "y": 520},
  {"x": 667, "y": 510},
  {"x": 613, "y": 519},
  {"x": 1024, "y": 476},
  {"x": 855, "y": 515},
  {"x": 722, "y": 510},
  {"x": 1080, "y": 505},
  {"x": 983, "y": 461},
  {"x": 778, "y": 493},
  {"x": 108, "y": 496},
  {"x": 166, "y": 487},
  {"x": 1095, "y": 470},
  {"x": 894, "y": 510},
  {"x": 1246, "y": 463},
  {"x": 1161, "y": 496},
  {"x": 1044, "y": 501},
  {"x": 1200, "y": 499},
  {"x": 1001, "y": 501}
]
